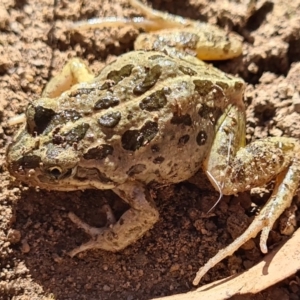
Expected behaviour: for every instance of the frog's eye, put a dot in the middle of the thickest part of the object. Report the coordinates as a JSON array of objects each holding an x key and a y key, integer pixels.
[
  {"x": 38, "y": 118},
  {"x": 55, "y": 172}
]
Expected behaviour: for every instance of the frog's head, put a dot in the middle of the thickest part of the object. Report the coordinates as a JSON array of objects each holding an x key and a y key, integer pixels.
[
  {"x": 39, "y": 164},
  {"x": 46, "y": 151}
]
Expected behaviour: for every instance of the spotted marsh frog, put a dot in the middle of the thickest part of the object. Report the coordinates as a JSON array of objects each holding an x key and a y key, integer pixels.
[{"x": 156, "y": 114}]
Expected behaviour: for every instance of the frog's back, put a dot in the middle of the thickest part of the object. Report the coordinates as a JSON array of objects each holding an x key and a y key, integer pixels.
[{"x": 155, "y": 116}]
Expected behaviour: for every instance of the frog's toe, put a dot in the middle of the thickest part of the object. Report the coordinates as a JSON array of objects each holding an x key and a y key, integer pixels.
[
  {"x": 94, "y": 231},
  {"x": 90, "y": 230},
  {"x": 110, "y": 217},
  {"x": 256, "y": 226},
  {"x": 99, "y": 235},
  {"x": 97, "y": 240}
]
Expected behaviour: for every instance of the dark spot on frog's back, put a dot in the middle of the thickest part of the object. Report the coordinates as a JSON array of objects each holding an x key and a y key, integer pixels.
[
  {"x": 27, "y": 162},
  {"x": 187, "y": 70},
  {"x": 155, "y": 101},
  {"x": 77, "y": 133},
  {"x": 107, "y": 85},
  {"x": 158, "y": 160},
  {"x": 201, "y": 138},
  {"x": 99, "y": 152},
  {"x": 132, "y": 140},
  {"x": 239, "y": 86},
  {"x": 118, "y": 75},
  {"x": 150, "y": 80},
  {"x": 136, "y": 169},
  {"x": 106, "y": 102},
  {"x": 58, "y": 139},
  {"x": 110, "y": 119},
  {"x": 181, "y": 119},
  {"x": 38, "y": 118},
  {"x": 209, "y": 113},
  {"x": 223, "y": 85},
  {"x": 203, "y": 87},
  {"x": 183, "y": 140}
]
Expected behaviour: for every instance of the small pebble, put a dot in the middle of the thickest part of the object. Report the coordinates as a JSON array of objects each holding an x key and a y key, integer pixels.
[
  {"x": 174, "y": 268},
  {"x": 25, "y": 248},
  {"x": 106, "y": 288},
  {"x": 14, "y": 236}
]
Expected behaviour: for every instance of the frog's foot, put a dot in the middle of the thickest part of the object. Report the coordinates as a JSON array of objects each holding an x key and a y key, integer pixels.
[
  {"x": 92, "y": 231},
  {"x": 263, "y": 222},
  {"x": 132, "y": 225}
]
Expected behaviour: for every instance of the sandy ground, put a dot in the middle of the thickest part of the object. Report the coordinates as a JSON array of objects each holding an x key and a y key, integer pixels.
[{"x": 35, "y": 232}]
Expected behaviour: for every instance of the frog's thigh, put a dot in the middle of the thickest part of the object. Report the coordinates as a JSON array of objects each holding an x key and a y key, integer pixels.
[
  {"x": 214, "y": 46},
  {"x": 74, "y": 71},
  {"x": 233, "y": 167},
  {"x": 132, "y": 225}
]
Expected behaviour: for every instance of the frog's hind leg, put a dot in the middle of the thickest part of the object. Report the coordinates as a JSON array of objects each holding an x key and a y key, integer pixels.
[
  {"x": 131, "y": 226},
  {"x": 74, "y": 71},
  {"x": 153, "y": 20},
  {"x": 169, "y": 31},
  {"x": 239, "y": 168}
]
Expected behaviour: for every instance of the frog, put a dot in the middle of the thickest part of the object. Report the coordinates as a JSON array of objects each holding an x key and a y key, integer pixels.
[{"x": 156, "y": 114}]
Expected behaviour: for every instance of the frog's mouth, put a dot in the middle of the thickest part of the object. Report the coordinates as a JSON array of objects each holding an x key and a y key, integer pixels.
[
  {"x": 30, "y": 170},
  {"x": 58, "y": 169}
]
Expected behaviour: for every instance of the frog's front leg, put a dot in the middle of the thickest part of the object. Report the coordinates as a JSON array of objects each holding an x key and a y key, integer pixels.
[
  {"x": 132, "y": 225},
  {"x": 74, "y": 71},
  {"x": 233, "y": 167}
]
